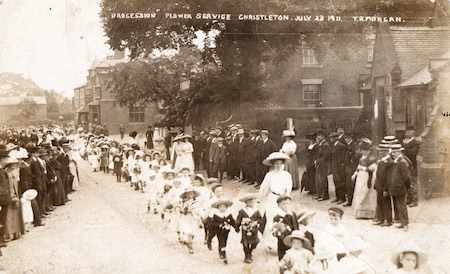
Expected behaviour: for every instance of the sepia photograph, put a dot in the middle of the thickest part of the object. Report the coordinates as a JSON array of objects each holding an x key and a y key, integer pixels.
[{"x": 225, "y": 136}]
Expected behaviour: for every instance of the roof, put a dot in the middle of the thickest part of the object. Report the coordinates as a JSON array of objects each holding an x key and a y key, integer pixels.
[
  {"x": 83, "y": 109},
  {"x": 94, "y": 103},
  {"x": 11, "y": 101},
  {"x": 415, "y": 45},
  {"x": 107, "y": 63},
  {"x": 423, "y": 76}
]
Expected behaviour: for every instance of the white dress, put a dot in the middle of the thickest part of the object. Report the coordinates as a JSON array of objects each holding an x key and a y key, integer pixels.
[
  {"x": 178, "y": 152},
  {"x": 186, "y": 159},
  {"x": 151, "y": 191},
  {"x": 27, "y": 211},
  {"x": 275, "y": 183}
]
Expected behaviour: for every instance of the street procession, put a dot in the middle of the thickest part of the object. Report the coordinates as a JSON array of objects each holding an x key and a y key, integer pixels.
[{"x": 198, "y": 136}]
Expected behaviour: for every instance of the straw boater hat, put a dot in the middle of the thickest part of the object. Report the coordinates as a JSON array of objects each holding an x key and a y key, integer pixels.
[
  {"x": 297, "y": 234},
  {"x": 216, "y": 204},
  {"x": 305, "y": 214},
  {"x": 219, "y": 139},
  {"x": 30, "y": 194},
  {"x": 276, "y": 156},
  {"x": 408, "y": 247},
  {"x": 389, "y": 140},
  {"x": 396, "y": 147},
  {"x": 288, "y": 133},
  {"x": 240, "y": 131},
  {"x": 265, "y": 131},
  {"x": 249, "y": 197},
  {"x": 189, "y": 190},
  {"x": 382, "y": 146}
]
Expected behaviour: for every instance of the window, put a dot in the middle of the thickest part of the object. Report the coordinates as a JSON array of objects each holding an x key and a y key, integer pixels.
[
  {"x": 311, "y": 92},
  {"x": 308, "y": 55},
  {"x": 137, "y": 114},
  {"x": 370, "y": 53}
]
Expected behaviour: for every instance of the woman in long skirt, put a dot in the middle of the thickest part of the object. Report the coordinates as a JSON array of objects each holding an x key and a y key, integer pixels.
[
  {"x": 277, "y": 182},
  {"x": 14, "y": 226},
  {"x": 310, "y": 172},
  {"x": 365, "y": 196},
  {"x": 290, "y": 147}
]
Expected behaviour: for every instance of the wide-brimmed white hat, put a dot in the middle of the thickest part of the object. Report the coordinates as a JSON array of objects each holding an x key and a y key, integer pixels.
[
  {"x": 297, "y": 234},
  {"x": 216, "y": 204},
  {"x": 276, "y": 156},
  {"x": 408, "y": 247},
  {"x": 30, "y": 194},
  {"x": 249, "y": 197},
  {"x": 189, "y": 190}
]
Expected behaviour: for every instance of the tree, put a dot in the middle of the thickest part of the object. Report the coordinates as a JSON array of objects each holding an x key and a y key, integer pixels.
[
  {"x": 26, "y": 110},
  {"x": 239, "y": 46}
]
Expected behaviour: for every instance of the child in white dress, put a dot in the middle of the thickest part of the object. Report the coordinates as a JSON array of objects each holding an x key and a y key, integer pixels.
[
  {"x": 408, "y": 258},
  {"x": 173, "y": 198},
  {"x": 151, "y": 192},
  {"x": 185, "y": 178},
  {"x": 298, "y": 257},
  {"x": 189, "y": 217}
]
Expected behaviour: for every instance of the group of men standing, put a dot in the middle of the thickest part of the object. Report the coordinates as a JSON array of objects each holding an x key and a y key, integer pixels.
[{"x": 237, "y": 152}]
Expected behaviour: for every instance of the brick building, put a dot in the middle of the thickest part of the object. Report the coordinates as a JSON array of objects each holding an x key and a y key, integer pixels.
[
  {"x": 11, "y": 106},
  {"x": 95, "y": 103},
  {"x": 317, "y": 90}
]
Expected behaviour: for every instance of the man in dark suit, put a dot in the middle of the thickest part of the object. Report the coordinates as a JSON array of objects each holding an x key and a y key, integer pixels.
[
  {"x": 341, "y": 135},
  {"x": 208, "y": 144},
  {"x": 242, "y": 141},
  {"x": 352, "y": 159},
  {"x": 38, "y": 182},
  {"x": 63, "y": 159},
  {"x": 218, "y": 158},
  {"x": 411, "y": 144},
  {"x": 250, "y": 158},
  {"x": 338, "y": 157},
  {"x": 256, "y": 166},
  {"x": 233, "y": 170},
  {"x": 384, "y": 205},
  {"x": 322, "y": 164},
  {"x": 398, "y": 185},
  {"x": 266, "y": 148}
]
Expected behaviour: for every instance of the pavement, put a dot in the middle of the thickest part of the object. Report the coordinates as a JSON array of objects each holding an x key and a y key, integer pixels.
[{"x": 106, "y": 229}]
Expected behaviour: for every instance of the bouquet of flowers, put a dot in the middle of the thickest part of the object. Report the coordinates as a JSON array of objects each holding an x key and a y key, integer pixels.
[
  {"x": 226, "y": 225},
  {"x": 186, "y": 207},
  {"x": 167, "y": 188},
  {"x": 137, "y": 170},
  {"x": 249, "y": 226},
  {"x": 279, "y": 228}
]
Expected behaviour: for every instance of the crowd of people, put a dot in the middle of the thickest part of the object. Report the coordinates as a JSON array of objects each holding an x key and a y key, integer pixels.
[
  {"x": 37, "y": 173},
  {"x": 187, "y": 203}
]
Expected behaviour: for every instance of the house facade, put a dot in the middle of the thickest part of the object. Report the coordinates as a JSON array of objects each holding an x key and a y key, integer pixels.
[
  {"x": 95, "y": 102},
  {"x": 399, "y": 98}
]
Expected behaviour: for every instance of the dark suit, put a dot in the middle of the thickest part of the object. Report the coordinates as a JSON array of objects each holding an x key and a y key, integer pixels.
[
  {"x": 411, "y": 151},
  {"x": 218, "y": 160},
  {"x": 208, "y": 167},
  {"x": 384, "y": 205},
  {"x": 352, "y": 159},
  {"x": 250, "y": 160},
  {"x": 265, "y": 150},
  {"x": 241, "y": 150},
  {"x": 322, "y": 169},
  {"x": 290, "y": 220},
  {"x": 38, "y": 182},
  {"x": 338, "y": 159},
  {"x": 233, "y": 166},
  {"x": 63, "y": 159},
  {"x": 398, "y": 184}
]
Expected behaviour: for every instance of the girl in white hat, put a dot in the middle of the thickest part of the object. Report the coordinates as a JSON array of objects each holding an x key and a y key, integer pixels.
[
  {"x": 189, "y": 211},
  {"x": 163, "y": 194},
  {"x": 173, "y": 198},
  {"x": 298, "y": 257}
]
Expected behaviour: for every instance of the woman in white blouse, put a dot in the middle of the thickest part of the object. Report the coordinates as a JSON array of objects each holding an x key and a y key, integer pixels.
[
  {"x": 277, "y": 182},
  {"x": 290, "y": 147}
]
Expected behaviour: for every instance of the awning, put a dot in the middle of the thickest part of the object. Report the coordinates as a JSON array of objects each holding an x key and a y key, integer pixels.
[
  {"x": 83, "y": 109},
  {"x": 311, "y": 81},
  {"x": 94, "y": 103},
  {"x": 422, "y": 77}
]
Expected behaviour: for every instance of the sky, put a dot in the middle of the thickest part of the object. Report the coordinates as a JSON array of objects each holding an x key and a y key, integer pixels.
[{"x": 52, "y": 42}]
